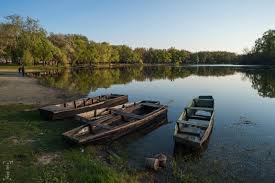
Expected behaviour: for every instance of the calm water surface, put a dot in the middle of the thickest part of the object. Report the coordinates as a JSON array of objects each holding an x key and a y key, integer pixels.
[{"x": 242, "y": 145}]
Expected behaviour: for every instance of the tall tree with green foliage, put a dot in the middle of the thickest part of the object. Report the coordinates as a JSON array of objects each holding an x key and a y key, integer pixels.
[
  {"x": 266, "y": 43},
  {"x": 263, "y": 51},
  {"x": 27, "y": 58},
  {"x": 115, "y": 57},
  {"x": 126, "y": 54}
]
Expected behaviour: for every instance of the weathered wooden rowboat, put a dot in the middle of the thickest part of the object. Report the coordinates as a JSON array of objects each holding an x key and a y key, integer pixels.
[
  {"x": 96, "y": 114},
  {"x": 118, "y": 123},
  {"x": 194, "y": 125},
  {"x": 69, "y": 109}
]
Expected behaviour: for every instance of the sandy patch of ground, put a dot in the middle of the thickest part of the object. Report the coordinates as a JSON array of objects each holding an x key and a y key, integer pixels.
[
  {"x": 17, "y": 89},
  {"x": 46, "y": 159},
  {"x": 16, "y": 141}
]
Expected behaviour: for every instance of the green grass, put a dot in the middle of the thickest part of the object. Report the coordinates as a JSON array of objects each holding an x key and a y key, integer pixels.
[{"x": 25, "y": 139}]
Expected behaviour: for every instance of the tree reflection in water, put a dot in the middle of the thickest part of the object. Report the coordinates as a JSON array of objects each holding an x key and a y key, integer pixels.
[
  {"x": 263, "y": 80},
  {"x": 86, "y": 80}
]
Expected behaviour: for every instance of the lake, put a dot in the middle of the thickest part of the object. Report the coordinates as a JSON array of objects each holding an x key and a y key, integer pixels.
[{"x": 242, "y": 144}]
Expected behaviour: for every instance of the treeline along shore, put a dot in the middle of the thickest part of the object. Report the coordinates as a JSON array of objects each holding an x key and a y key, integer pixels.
[{"x": 24, "y": 41}]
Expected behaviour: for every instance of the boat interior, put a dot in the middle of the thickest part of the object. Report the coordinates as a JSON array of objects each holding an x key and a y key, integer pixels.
[
  {"x": 195, "y": 120},
  {"x": 117, "y": 118},
  {"x": 201, "y": 108},
  {"x": 86, "y": 101},
  {"x": 98, "y": 113}
]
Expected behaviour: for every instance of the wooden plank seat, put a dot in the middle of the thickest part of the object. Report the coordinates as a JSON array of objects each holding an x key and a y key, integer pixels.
[
  {"x": 204, "y": 118},
  {"x": 190, "y": 138},
  {"x": 201, "y": 108},
  {"x": 197, "y": 123},
  {"x": 192, "y": 131},
  {"x": 122, "y": 113}
]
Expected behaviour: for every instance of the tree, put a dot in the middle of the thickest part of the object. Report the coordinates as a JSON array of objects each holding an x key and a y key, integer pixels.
[
  {"x": 104, "y": 52},
  {"x": 9, "y": 33},
  {"x": 80, "y": 45},
  {"x": 178, "y": 56},
  {"x": 115, "y": 57},
  {"x": 266, "y": 43},
  {"x": 60, "y": 57},
  {"x": 263, "y": 51},
  {"x": 140, "y": 54},
  {"x": 65, "y": 43},
  {"x": 27, "y": 58},
  {"x": 126, "y": 54}
]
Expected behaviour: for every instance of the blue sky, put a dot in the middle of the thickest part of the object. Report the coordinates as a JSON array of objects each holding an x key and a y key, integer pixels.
[{"x": 194, "y": 25}]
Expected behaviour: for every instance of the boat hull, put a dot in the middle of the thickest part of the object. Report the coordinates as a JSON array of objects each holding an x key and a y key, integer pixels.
[
  {"x": 148, "y": 122},
  {"x": 49, "y": 114},
  {"x": 192, "y": 144},
  {"x": 120, "y": 133},
  {"x": 193, "y": 130},
  {"x": 86, "y": 117}
]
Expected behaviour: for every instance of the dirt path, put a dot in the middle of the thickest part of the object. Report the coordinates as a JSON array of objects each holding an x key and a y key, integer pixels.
[{"x": 17, "y": 89}]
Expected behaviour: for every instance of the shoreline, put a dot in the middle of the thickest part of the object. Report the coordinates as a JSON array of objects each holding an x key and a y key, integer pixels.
[
  {"x": 14, "y": 68},
  {"x": 15, "y": 89}
]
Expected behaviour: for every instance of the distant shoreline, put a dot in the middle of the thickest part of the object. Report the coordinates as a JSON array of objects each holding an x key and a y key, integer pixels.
[{"x": 14, "y": 68}]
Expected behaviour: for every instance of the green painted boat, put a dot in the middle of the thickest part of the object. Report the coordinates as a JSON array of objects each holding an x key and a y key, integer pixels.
[{"x": 195, "y": 124}]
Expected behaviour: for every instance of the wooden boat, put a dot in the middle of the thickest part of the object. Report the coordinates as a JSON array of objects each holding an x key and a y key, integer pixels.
[
  {"x": 118, "y": 123},
  {"x": 92, "y": 115},
  {"x": 196, "y": 122},
  {"x": 69, "y": 109}
]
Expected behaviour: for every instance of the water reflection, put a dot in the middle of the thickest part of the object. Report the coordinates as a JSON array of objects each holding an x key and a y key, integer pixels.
[
  {"x": 86, "y": 80},
  {"x": 263, "y": 80}
]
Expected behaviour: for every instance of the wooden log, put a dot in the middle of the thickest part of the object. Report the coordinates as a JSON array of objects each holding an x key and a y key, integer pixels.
[
  {"x": 152, "y": 163},
  {"x": 162, "y": 159}
]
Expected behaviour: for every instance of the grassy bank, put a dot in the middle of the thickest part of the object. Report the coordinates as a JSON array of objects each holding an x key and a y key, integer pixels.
[
  {"x": 33, "y": 150},
  {"x": 14, "y": 68}
]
